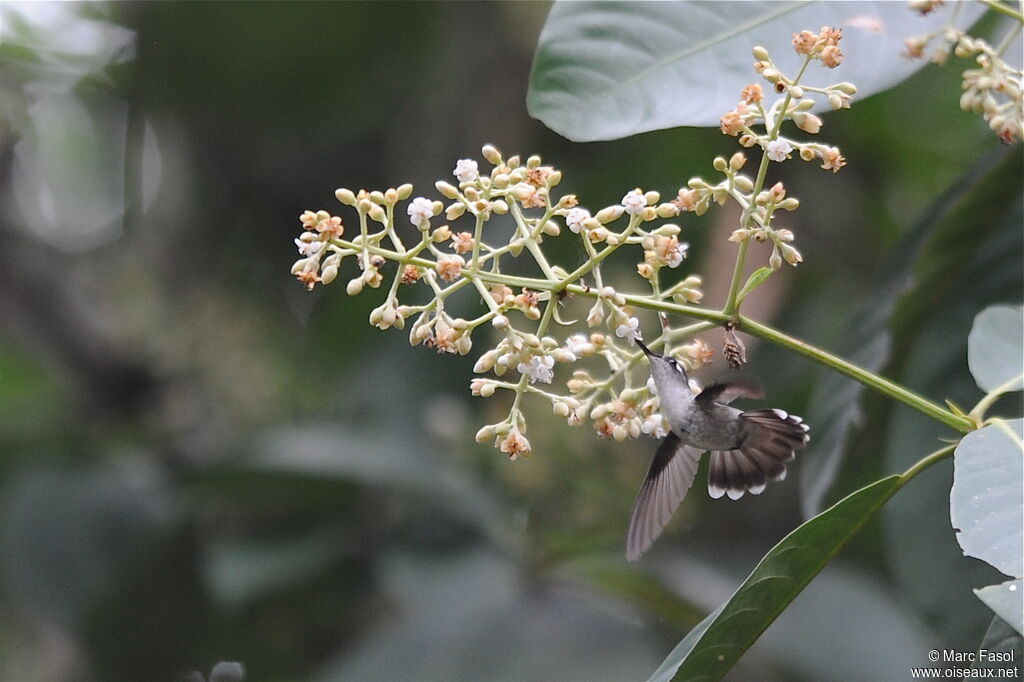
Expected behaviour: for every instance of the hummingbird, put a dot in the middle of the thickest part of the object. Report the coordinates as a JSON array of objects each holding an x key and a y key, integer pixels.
[{"x": 747, "y": 448}]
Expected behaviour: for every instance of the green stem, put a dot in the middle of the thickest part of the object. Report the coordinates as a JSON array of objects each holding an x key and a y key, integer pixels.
[
  {"x": 978, "y": 413},
  {"x": 999, "y": 7},
  {"x": 926, "y": 462},
  {"x": 869, "y": 379}
]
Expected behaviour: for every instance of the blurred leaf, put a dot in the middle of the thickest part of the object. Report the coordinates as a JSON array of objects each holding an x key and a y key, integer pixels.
[
  {"x": 995, "y": 352},
  {"x": 986, "y": 499},
  {"x": 757, "y": 277},
  {"x": 1000, "y": 639},
  {"x": 606, "y": 70},
  {"x": 477, "y": 617},
  {"x": 717, "y": 643},
  {"x": 1007, "y": 600},
  {"x": 971, "y": 262},
  {"x": 238, "y": 572},
  {"x": 837, "y": 410},
  {"x": 67, "y": 534}
]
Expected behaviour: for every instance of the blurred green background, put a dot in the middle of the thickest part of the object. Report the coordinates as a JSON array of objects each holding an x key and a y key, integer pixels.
[{"x": 201, "y": 461}]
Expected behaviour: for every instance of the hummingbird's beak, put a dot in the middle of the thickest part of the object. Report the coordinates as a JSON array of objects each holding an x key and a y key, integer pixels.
[{"x": 647, "y": 351}]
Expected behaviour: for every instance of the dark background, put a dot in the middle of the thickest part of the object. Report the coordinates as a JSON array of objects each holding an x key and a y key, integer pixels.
[{"x": 201, "y": 461}]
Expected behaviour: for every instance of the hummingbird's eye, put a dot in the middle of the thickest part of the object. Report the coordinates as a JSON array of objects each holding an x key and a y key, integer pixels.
[{"x": 674, "y": 365}]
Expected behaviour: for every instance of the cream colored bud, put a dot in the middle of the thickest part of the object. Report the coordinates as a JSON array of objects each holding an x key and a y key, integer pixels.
[
  {"x": 328, "y": 274},
  {"x": 652, "y": 197},
  {"x": 789, "y": 204},
  {"x": 835, "y": 102},
  {"x": 667, "y": 210},
  {"x": 533, "y": 162},
  {"x": 737, "y": 161},
  {"x": 628, "y": 396},
  {"x": 499, "y": 322},
  {"x": 720, "y": 164},
  {"x": 485, "y": 434},
  {"x": 554, "y": 177},
  {"x": 455, "y": 211},
  {"x": 609, "y": 213},
  {"x": 459, "y": 324},
  {"x": 595, "y": 315},
  {"x": 807, "y": 122},
  {"x": 345, "y": 196},
  {"x": 791, "y": 255},
  {"x": 471, "y": 194},
  {"x": 747, "y": 140},
  {"x": 619, "y": 433},
  {"x": 743, "y": 183},
  {"x": 491, "y": 153},
  {"x": 375, "y": 316},
  {"x": 441, "y": 234},
  {"x": 487, "y": 390},
  {"x": 796, "y": 91},
  {"x": 606, "y": 292},
  {"x": 771, "y": 75},
  {"x": 354, "y": 286},
  {"x": 513, "y": 162},
  {"x": 447, "y": 189},
  {"x": 804, "y": 105},
  {"x": 531, "y": 340},
  {"x": 377, "y": 197},
  {"x": 499, "y": 206},
  {"x": 645, "y": 270},
  {"x": 464, "y": 345},
  {"x": 377, "y": 213},
  {"x": 648, "y": 214},
  {"x": 668, "y": 230},
  {"x": 391, "y": 196},
  {"x": 551, "y": 229},
  {"x": 300, "y": 265},
  {"x": 364, "y": 205},
  {"x": 600, "y": 411},
  {"x": 419, "y": 334},
  {"x": 499, "y": 181},
  {"x": 760, "y": 54},
  {"x": 560, "y": 408},
  {"x": 562, "y": 355},
  {"x": 404, "y": 191},
  {"x": 807, "y": 154},
  {"x": 846, "y": 88},
  {"x": 761, "y": 199},
  {"x": 775, "y": 261}
]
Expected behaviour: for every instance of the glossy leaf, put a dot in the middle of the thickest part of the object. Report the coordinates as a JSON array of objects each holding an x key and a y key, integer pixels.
[
  {"x": 986, "y": 500},
  {"x": 606, "y": 70},
  {"x": 995, "y": 352},
  {"x": 720, "y": 639}
]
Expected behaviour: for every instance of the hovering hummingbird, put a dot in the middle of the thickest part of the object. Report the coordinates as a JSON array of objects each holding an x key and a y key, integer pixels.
[{"x": 747, "y": 448}]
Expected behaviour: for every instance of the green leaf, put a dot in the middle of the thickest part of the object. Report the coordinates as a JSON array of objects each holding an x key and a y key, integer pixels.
[
  {"x": 757, "y": 277},
  {"x": 719, "y": 640},
  {"x": 606, "y": 70},
  {"x": 1005, "y": 600},
  {"x": 995, "y": 352},
  {"x": 986, "y": 500}
]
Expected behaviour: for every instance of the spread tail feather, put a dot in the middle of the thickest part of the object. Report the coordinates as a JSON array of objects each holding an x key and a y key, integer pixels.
[{"x": 771, "y": 439}]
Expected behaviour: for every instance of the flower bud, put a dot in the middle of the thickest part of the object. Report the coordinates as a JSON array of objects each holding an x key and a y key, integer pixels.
[
  {"x": 807, "y": 122},
  {"x": 328, "y": 274},
  {"x": 404, "y": 191},
  {"x": 554, "y": 177},
  {"x": 648, "y": 214},
  {"x": 791, "y": 255},
  {"x": 743, "y": 183},
  {"x": 446, "y": 189},
  {"x": 499, "y": 322},
  {"x": 797, "y": 92},
  {"x": 652, "y": 197},
  {"x": 485, "y": 434},
  {"x": 720, "y": 164},
  {"x": 377, "y": 197},
  {"x": 345, "y": 196},
  {"x": 775, "y": 261},
  {"x": 667, "y": 210},
  {"x": 455, "y": 211},
  {"x": 737, "y": 161},
  {"x": 377, "y": 213},
  {"x": 609, "y": 213},
  {"x": 789, "y": 204},
  {"x": 491, "y": 153},
  {"x": 760, "y": 54},
  {"x": 551, "y": 229},
  {"x": 560, "y": 408},
  {"x": 441, "y": 234},
  {"x": 354, "y": 286}
]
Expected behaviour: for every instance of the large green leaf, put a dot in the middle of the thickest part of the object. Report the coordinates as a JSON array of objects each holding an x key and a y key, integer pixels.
[
  {"x": 994, "y": 348},
  {"x": 605, "y": 70},
  {"x": 986, "y": 499},
  {"x": 719, "y": 640}
]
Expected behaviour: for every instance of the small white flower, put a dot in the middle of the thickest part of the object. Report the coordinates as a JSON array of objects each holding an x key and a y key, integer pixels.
[
  {"x": 539, "y": 368},
  {"x": 654, "y": 425},
  {"x": 466, "y": 170},
  {"x": 578, "y": 344},
  {"x": 421, "y": 210},
  {"x": 574, "y": 219},
  {"x": 308, "y": 248},
  {"x": 676, "y": 255},
  {"x": 629, "y": 330},
  {"x": 778, "y": 150},
  {"x": 635, "y": 202}
]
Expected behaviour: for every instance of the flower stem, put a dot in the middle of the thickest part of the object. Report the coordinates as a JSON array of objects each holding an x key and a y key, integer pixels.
[{"x": 869, "y": 379}]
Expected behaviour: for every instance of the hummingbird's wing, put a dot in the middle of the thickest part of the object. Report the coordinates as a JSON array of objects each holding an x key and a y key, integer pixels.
[
  {"x": 770, "y": 441},
  {"x": 726, "y": 391},
  {"x": 668, "y": 479}
]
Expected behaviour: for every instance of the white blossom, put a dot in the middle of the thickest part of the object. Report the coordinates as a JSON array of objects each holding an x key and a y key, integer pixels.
[
  {"x": 421, "y": 210},
  {"x": 539, "y": 368},
  {"x": 654, "y": 425},
  {"x": 635, "y": 202},
  {"x": 466, "y": 170},
  {"x": 677, "y": 254},
  {"x": 308, "y": 248},
  {"x": 778, "y": 150},
  {"x": 574, "y": 219},
  {"x": 629, "y": 330},
  {"x": 579, "y": 345}
]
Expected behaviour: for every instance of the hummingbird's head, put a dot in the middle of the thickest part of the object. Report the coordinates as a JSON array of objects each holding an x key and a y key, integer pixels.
[{"x": 666, "y": 371}]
